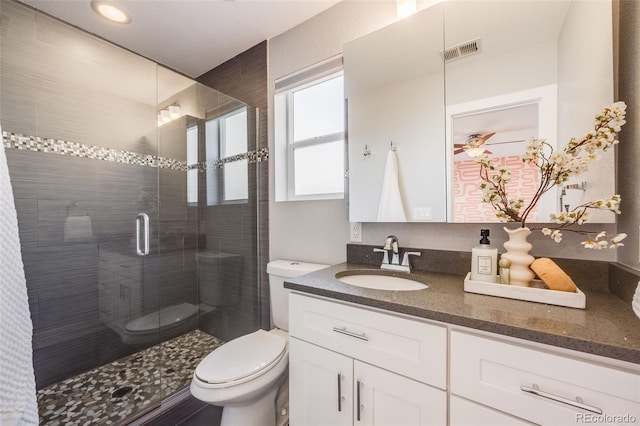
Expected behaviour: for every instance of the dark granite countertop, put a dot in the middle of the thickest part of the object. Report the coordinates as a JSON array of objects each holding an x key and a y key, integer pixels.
[{"x": 607, "y": 327}]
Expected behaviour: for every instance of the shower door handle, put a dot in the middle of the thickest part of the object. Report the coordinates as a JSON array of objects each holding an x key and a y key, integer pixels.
[{"x": 142, "y": 219}]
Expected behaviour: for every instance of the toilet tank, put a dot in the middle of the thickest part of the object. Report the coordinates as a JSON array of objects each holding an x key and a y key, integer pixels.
[{"x": 279, "y": 271}]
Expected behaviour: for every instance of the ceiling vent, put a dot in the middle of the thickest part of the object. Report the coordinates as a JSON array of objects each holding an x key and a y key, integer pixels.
[{"x": 461, "y": 50}]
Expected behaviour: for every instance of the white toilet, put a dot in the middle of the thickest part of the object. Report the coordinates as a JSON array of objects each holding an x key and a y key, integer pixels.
[{"x": 244, "y": 374}]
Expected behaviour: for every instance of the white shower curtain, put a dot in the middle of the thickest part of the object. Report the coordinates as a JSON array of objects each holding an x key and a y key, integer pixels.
[{"x": 17, "y": 382}]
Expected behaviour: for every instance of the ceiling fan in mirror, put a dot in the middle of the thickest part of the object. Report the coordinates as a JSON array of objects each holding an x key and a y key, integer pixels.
[{"x": 475, "y": 145}]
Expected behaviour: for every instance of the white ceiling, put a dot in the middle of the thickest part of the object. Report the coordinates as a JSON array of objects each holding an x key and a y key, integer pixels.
[{"x": 189, "y": 36}]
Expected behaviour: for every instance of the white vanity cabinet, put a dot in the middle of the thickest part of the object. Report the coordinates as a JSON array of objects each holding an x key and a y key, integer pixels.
[
  {"x": 539, "y": 386},
  {"x": 350, "y": 365},
  {"x": 334, "y": 389}
]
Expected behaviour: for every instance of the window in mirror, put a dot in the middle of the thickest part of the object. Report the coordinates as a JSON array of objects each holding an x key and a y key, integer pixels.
[{"x": 310, "y": 128}]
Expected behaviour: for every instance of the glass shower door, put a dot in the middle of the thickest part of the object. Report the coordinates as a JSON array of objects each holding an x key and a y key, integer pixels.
[
  {"x": 80, "y": 132},
  {"x": 131, "y": 279}
]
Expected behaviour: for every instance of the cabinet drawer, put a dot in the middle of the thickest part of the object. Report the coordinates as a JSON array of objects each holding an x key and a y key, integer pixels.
[
  {"x": 412, "y": 348},
  {"x": 541, "y": 387},
  {"x": 465, "y": 413}
]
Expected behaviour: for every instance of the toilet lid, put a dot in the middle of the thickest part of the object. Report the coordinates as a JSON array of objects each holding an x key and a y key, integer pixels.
[
  {"x": 165, "y": 317},
  {"x": 242, "y": 357}
]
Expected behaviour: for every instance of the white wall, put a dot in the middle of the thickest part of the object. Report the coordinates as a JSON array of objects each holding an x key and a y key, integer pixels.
[{"x": 317, "y": 231}]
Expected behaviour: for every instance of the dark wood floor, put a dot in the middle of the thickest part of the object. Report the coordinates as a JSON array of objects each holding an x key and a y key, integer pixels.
[{"x": 191, "y": 412}]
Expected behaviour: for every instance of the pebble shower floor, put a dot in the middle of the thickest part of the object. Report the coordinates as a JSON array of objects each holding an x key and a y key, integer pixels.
[{"x": 109, "y": 394}]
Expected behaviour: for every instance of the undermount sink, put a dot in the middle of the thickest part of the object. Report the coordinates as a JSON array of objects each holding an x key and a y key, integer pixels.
[{"x": 380, "y": 282}]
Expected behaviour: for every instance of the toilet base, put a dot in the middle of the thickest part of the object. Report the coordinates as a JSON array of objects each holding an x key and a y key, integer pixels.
[{"x": 260, "y": 412}]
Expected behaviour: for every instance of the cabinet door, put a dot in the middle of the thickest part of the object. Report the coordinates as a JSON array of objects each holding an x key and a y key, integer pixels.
[
  {"x": 467, "y": 413},
  {"x": 389, "y": 399},
  {"x": 321, "y": 383},
  {"x": 539, "y": 386}
]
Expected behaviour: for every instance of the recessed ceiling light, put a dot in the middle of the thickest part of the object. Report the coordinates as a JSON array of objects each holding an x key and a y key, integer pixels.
[
  {"x": 111, "y": 11},
  {"x": 405, "y": 8}
]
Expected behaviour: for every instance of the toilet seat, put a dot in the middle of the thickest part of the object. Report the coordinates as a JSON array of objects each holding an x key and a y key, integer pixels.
[{"x": 241, "y": 359}]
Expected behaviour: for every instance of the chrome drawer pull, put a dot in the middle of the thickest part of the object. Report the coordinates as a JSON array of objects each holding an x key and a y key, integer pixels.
[
  {"x": 578, "y": 403},
  {"x": 343, "y": 330},
  {"x": 359, "y": 406}
]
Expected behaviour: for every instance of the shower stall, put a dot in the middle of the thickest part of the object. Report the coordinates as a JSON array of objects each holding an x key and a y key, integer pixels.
[{"x": 136, "y": 193}]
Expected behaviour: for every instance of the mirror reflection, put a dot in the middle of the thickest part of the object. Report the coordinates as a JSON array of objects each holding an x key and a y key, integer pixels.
[
  {"x": 511, "y": 70},
  {"x": 540, "y": 69},
  {"x": 394, "y": 84}
]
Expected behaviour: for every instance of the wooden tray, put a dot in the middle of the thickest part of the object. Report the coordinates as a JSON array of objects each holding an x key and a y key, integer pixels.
[{"x": 538, "y": 293}]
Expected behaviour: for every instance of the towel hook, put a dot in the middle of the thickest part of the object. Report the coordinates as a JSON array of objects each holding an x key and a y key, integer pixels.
[
  {"x": 74, "y": 204},
  {"x": 392, "y": 147},
  {"x": 367, "y": 151}
]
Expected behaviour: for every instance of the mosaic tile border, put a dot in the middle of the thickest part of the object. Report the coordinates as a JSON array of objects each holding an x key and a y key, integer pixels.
[
  {"x": 74, "y": 149},
  {"x": 252, "y": 157}
]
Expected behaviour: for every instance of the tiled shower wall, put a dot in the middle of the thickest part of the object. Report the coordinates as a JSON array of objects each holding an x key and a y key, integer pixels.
[{"x": 66, "y": 86}]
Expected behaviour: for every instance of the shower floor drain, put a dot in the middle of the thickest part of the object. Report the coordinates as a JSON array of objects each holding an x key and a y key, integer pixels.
[{"x": 120, "y": 392}]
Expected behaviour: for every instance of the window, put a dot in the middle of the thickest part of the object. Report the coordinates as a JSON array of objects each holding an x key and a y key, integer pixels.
[
  {"x": 226, "y": 137},
  {"x": 309, "y": 131},
  {"x": 192, "y": 161},
  {"x": 233, "y": 132}
]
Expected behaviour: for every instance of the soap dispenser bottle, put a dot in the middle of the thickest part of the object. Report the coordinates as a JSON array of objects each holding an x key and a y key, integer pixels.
[{"x": 484, "y": 260}]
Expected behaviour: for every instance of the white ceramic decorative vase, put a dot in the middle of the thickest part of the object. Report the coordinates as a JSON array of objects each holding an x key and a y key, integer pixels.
[{"x": 517, "y": 248}]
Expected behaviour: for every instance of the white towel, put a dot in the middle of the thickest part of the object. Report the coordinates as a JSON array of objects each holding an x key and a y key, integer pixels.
[
  {"x": 635, "y": 302},
  {"x": 390, "y": 208},
  {"x": 17, "y": 382}
]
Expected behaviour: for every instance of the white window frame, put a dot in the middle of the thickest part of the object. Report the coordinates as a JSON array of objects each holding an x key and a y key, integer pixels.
[{"x": 286, "y": 146}]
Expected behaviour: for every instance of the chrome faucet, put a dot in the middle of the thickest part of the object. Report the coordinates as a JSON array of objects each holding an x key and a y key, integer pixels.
[
  {"x": 391, "y": 244},
  {"x": 393, "y": 262},
  {"x": 406, "y": 265}
]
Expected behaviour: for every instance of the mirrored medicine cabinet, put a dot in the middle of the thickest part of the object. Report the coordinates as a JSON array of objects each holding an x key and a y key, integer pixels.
[{"x": 426, "y": 85}]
